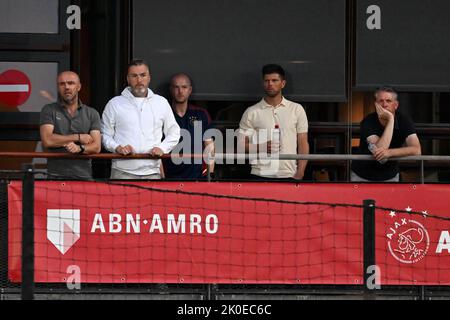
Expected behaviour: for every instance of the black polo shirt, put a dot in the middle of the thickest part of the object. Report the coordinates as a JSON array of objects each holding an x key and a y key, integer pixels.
[
  {"x": 85, "y": 120},
  {"x": 373, "y": 170}
]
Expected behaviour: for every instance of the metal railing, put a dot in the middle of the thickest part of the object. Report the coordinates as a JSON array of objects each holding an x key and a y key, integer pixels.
[{"x": 231, "y": 158}]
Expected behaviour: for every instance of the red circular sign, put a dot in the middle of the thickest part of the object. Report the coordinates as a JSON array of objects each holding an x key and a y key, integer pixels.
[{"x": 15, "y": 88}]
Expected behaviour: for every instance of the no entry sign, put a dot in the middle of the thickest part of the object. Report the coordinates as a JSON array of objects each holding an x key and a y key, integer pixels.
[{"x": 15, "y": 88}]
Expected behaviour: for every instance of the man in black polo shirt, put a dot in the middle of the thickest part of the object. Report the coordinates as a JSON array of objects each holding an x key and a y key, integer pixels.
[
  {"x": 385, "y": 134},
  {"x": 70, "y": 126}
]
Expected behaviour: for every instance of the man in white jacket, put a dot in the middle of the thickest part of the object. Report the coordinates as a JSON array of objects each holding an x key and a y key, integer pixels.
[{"x": 134, "y": 122}]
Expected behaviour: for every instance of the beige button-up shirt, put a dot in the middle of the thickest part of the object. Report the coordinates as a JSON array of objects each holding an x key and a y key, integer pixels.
[{"x": 258, "y": 122}]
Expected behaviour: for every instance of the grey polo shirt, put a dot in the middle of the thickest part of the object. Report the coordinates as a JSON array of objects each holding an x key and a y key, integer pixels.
[{"x": 85, "y": 120}]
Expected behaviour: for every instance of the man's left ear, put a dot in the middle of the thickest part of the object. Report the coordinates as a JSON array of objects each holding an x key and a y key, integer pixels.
[{"x": 283, "y": 84}]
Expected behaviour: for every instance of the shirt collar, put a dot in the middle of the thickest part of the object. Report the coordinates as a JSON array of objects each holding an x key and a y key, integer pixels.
[
  {"x": 127, "y": 92},
  {"x": 61, "y": 104},
  {"x": 265, "y": 105}
]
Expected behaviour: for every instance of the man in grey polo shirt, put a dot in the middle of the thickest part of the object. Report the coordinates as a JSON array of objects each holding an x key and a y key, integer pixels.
[
  {"x": 70, "y": 126},
  {"x": 272, "y": 114}
]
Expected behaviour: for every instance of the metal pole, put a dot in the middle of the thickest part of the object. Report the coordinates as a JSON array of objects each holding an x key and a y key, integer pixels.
[
  {"x": 208, "y": 171},
  {"x": 208, "y": 292},
  {"x": 422, "y": 172},
  {"x": 211, "y": 291},
  {"x": 368, "y": 244},
  {"x": 217, "y": 156},
  {"x": 27, "y": 291}
]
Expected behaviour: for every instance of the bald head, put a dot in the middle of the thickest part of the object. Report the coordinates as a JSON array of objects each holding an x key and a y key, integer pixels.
[
  {"x": 69, "y": 85},
  {"x": 181, "y": 76},
  {"x": 69, "y": 74},
  {"x": 180, "y": 88}
]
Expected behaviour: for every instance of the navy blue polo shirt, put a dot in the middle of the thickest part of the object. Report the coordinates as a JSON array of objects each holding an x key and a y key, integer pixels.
[{"x": 195, "y": 117}]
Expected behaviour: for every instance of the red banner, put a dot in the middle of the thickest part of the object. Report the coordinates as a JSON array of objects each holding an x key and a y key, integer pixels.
[{"x": 148, "y": 233}]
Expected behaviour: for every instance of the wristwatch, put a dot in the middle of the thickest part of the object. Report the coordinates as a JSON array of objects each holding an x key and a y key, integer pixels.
[{"x": 81, "y": 149}]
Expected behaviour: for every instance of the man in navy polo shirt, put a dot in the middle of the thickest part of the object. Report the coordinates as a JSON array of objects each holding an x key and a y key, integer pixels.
[{"x": 193, "y": 121}]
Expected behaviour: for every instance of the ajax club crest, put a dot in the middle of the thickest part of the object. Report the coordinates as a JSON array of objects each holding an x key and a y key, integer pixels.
[{"x": 408, "y": 240}]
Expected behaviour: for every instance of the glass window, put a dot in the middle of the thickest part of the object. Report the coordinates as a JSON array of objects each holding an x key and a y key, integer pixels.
[
  {"x": 42, "y": 88},
  {"x": 29, "y": 16}
]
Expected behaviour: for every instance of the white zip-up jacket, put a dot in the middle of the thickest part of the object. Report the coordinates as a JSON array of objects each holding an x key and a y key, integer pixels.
[{"x": 125, "y": 121}]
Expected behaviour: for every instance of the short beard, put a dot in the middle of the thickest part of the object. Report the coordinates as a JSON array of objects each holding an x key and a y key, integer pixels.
[
  {"x": 271, "y": 95},
  {"x": 68, "y": 101}
]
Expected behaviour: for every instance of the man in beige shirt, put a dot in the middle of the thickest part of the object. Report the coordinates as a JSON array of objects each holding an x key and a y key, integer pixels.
[{"x": 256, "y": 129}]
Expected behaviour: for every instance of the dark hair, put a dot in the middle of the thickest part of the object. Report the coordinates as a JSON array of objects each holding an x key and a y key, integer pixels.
[
  {"x": 138, "y": 62},
  {"x": 273, "y": 68},
  {"x": 386, "y": 89}
]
